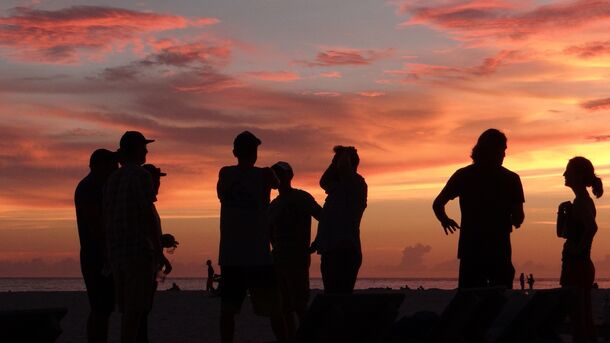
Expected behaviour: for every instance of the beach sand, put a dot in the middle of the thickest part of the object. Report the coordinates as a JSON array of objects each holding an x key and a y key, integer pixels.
[{"x": 192, "y": 316}]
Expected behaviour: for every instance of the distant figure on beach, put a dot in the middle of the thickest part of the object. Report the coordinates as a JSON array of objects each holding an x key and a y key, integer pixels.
[
  {"x": 522, "y": 281},
  {"x": 89, "y": 219},
  {"x": 338, "y": 237},
  {"x": 209, "y": 284},
  {"x": 245, "y": 258},
  {"x": 174, "y": 287},
  {"x": 290, "y": 216},
  {"x": 577, "y": 269},
  {"x": 491, "y": 203},
  {"x": 132, "y": 233},
  {"x": 530, "y": 282}
]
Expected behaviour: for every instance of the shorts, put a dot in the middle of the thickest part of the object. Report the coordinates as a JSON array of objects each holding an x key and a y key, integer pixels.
[
  {"x": 100, "y": 288},
  {"x": 134, "y": 284},
  {"x": 293, "y": 280},
  {"x": 259, "y": 281}
]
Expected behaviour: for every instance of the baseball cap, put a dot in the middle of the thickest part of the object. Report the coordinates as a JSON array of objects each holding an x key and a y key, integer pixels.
[
  {"x": 133, "y": 138},
  {"x": 282, "y": 166},
  {"x": 153, "y": 170},
  {"x": 246, "y": 140}
]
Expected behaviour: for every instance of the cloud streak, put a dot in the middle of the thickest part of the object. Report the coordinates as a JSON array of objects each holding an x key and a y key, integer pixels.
[{"x": 64, "y": 35}]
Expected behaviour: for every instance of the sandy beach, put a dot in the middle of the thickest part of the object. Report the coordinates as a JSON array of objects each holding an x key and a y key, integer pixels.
[{"x": 192, "y": 316}]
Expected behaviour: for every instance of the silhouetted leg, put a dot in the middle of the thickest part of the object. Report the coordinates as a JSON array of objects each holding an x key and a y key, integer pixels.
[
  {"x": 340, "y": 271},
  {"x": 130, "y": 323},
  {"x": 143, "y": 328},
  {"x": 278, "y": 325},
  {"x": 97, "y": 327},
  {"x": 472, "y": 274},
  {"x": 227, "y": 327},
  {"x": 501, "y": 274}
]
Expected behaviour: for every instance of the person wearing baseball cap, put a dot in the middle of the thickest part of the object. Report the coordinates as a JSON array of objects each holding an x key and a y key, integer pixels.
[
  {"x": 244, "y": 256},
  {"x": 88, "y": 202},
  {"x": 290, "y": 216},
  {"x": 133, "y": 233}
]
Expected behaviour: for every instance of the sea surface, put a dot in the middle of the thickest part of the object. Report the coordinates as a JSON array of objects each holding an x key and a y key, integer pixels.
[{"x": 77, "y": 284}]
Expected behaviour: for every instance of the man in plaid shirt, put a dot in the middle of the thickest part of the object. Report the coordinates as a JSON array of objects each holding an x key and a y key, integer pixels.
[{"x": 133, "y": 236}]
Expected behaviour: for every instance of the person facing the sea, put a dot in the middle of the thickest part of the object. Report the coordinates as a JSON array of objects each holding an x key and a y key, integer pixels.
[
  {"x": 576, "y": 223},
  {"x": 522, "y": 281},
  {"x": 338, "y": 236},
  {"x": 132, "y": 233},
  {"x": 290, "y": 220},
  {"x": 209, "y": 283},
  {"x": 491, "y": 203},
  {"x": 98, "y": 279},
  {"x": 245, "y": 258}
]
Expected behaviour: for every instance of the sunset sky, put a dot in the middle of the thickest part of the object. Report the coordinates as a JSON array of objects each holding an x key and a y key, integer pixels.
[{"x": 411, "y": 84}]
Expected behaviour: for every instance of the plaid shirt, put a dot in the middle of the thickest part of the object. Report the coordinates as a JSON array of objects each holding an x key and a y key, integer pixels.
[{"x": 128, "y": 199}]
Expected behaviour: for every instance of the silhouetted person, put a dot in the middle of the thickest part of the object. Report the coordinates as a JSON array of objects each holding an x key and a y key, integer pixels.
[
  {"x": 491, "y": 203},
  {"x": 168, "y": 241},
  {"x": 174, "y": 287},
  {"x": 530, "y": 282},
  {"x": 579, "y": 228},
  {"x": 132, "y": 232},
  {"x": 245, "y": 257},
  {"x": 89, "y": 219},
  {"x": 338, "y": 237},
  {"x": 290, "y": 218},
  {"x": 209, "y": 284},
  {"x": 522, "y": 281}
]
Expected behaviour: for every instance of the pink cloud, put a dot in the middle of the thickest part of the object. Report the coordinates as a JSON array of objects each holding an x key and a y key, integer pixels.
[
  {"x": 277, "y": 76},
  {"x": 62, "y": 36},
  {"x": 482, "y": 19},
  {"x": 345, "y": 57},
  {"x": 597, "y": 104},
  {"x": 589, "y": 50},
  {"x": 372, "y": 94},
  {"x": 331, "y": 75}
]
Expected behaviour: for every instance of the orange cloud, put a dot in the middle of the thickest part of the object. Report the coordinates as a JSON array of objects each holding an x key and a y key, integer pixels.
[
  {"x": 597, "y": 104},
  {"x": 589, "y": 50},
  {"x": 347, "y": 57},
  {"x": 277, "y": 76},
  {"x": 62, "y": 36},
  {"x": 478, "y": 19},
  {"x": 331, "y": 75},
  {"x": 371, "y": 94}
]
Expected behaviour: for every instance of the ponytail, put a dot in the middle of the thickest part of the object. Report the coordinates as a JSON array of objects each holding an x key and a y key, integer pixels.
[{"x": 597, "y": 187}]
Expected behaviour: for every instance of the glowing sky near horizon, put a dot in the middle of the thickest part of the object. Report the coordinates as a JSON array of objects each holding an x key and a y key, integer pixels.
[{"x": 410, "y": 83}]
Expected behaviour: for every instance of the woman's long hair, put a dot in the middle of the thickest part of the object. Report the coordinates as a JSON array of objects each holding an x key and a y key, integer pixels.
[{"x": 584, "y": 168}]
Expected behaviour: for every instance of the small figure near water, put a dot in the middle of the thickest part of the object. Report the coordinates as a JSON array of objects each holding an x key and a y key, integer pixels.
[{"x": 522, "y": 281}]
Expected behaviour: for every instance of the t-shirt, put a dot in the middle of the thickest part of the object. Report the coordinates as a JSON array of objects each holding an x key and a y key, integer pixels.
[
  {"x": 582, "y": 215},
  {"x": 129, "y": 215},
  {"x": 488, "y": 196},
  {"x": 339, "y": 226},
  {"x": 88, "y": 203},
  {"x": 244, "y": 195},
  {"x": 290, "y": 220}
]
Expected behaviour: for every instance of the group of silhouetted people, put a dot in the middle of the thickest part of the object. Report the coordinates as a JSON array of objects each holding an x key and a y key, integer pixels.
[
  {"x": 491, "y": 204},
  {"x": 265, "y": 245},
  {"x": 250, "y": 224},
  {"x": 121, "y": 238}
]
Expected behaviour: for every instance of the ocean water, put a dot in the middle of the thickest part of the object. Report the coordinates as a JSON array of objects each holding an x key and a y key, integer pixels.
[{"x": 77, "y": 284}]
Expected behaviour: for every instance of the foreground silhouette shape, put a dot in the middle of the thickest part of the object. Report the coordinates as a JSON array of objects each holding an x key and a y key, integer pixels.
[
  {"x": 245, "y": 258},
  {"x": 576, "y": 223},
  {"x": 132, "y": 233},
  {"x": 290, "y": 216},
  {"x": 89, "y": 218},
  {"x": 491, "y": 203},
  {"x": 338, "y": 236}
]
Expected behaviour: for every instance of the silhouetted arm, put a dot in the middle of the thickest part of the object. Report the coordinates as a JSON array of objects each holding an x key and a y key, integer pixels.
[
  {"x": 586, "y": 216},
  {"x": 221, "y": 186},
  {"x": 271, "y": 179},
  {"x": 517, "y": 215},
  {"x": 329, "y": 179},
  {"x": 449, "y": 225}
]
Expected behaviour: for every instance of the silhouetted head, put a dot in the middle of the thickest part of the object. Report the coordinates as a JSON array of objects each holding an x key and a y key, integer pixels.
[
  {"x": 580, "y": 173},
  {"x": 245, "y": 148},
  {"x": 156, "y": 174},
  {"x": 208, "y": 262},
  {"x": 490, "y": 148},
  {"x": 284, "y": 173},
  {"x": 132, "y": 147},
  {"x": 350, "y": 153},
  {"x": 103, "y": 162}
]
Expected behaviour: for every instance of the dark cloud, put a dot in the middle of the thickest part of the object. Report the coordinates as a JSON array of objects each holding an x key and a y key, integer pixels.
[
  {"x": 347, "y": 57},
  {"x": 589, "y": 50},
  {"x": 596, "y": 104}
]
